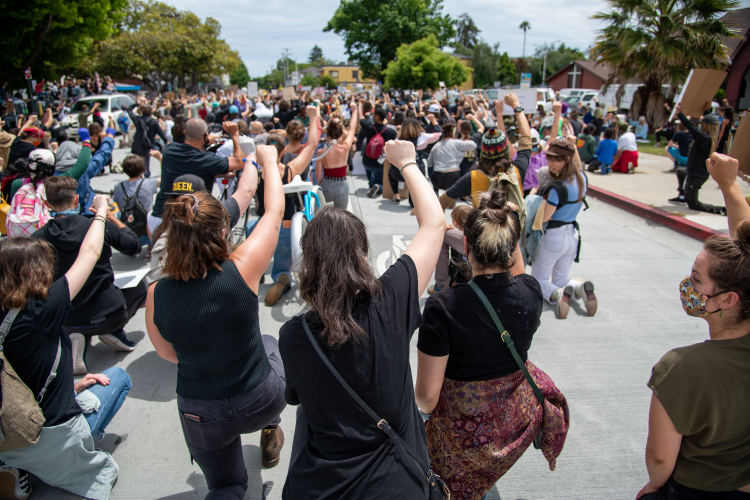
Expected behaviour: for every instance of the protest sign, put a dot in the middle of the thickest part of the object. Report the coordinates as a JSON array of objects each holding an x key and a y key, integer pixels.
[
  {"x": 233, "y": 89},
  {"x": 252, "y": 89},
  {"x": 439, "y": 96},
  {"x": 182, "y": 91},
  {"x": 306, "y": 88},
  {"x": 700, "y": 87},
  {"x": 169, "y": 95},
  {"x": 740, "y": 149},
  {"x": 341, "y": 89},
  {"x": 442, "y": 85},
  {"x": 526, "y": 98},
  {"x": 288, "y": 93}
]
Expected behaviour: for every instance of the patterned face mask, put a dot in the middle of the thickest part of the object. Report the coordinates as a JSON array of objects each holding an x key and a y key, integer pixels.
[{"x": 693, "y": 301}]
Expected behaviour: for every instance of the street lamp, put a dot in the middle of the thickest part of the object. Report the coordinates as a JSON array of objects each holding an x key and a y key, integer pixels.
[{"x": 171, "y": 15}]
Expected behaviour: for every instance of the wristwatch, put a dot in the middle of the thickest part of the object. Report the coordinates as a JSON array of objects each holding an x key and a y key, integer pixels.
[{"x": 519, "y": 109}]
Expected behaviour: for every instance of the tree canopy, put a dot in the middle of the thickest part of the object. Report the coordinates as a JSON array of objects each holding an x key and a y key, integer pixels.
[
  {"x": 467, "y": 33},
  {"x": 240, "y": 76},
  {"x": 373, "y": 30},
  {"x": 491, "y": 66},
  {"x": 422, "y": 65},
  {"x": 658, "y": 42},
  {"x": 558, "y": 56},
  {"x": 316, "y": 54},
  {"x": 47, "y": 35},
  {"x": 157, "y": 43}
]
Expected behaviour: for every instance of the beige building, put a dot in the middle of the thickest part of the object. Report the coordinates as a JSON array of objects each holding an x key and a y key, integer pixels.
[{"x": 348, "y": 76}]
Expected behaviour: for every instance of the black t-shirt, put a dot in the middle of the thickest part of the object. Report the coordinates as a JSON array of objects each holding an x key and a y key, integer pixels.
[
  {"x": 19, "y": 150},
  {"x": 346, "y": 455},
  {"x": 369, "y": 130},
  {"x": 598, "y": 123},
  {"x": 683, "y": 141},
  {"x": 179, "y": 159},
  {"x": 576, "y": 126},
  {"x": 456, "y": 324},
  {"x": 31, "y": 347}
]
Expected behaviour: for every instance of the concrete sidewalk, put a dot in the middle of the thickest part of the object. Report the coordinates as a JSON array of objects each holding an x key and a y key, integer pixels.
[
  {"x": 653, "y": 185},
  {"x": 601, "y": 364}
]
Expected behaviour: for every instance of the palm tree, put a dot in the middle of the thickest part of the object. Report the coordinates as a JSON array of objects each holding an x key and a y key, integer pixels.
[
  {"x": 524, "y": 26},
  {"x": 657, "y": 42}
]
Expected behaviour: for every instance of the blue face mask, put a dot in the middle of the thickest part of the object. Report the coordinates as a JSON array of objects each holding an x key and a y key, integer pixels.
[{"x": 68, "y": 212}]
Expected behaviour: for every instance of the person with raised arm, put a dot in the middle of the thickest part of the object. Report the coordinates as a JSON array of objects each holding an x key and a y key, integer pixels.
[
  {"x": 330, "y": 171},
  {"x": 338, "y": 450},
  {"x": 230, "y": 380}
]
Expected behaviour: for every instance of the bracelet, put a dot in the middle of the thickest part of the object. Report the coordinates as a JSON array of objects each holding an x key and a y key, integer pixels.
[
  {"x": 101, "y": 218},
  {"x": 407, "y": 164}
]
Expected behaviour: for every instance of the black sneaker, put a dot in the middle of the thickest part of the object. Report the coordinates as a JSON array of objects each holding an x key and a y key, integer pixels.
[
  {"x": 372, "y": 192},
  {"x": 118, "y": 341},
  {"x": 679, "y": 199}
]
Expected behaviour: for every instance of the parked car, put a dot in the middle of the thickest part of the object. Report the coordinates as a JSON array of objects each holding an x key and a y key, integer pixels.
[{"x": 109, "y": 105}]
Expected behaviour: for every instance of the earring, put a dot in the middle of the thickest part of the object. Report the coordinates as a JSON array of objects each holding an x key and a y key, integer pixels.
[{"x": 721, "y": 313}]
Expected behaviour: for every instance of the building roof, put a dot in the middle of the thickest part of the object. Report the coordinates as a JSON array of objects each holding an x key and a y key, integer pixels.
[
  {"x": 602, "y": 71},
  {"x": 738, "y": 19}
]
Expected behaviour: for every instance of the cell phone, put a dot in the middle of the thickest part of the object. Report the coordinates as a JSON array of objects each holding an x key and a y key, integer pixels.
[{"x": 192, "y": 418}]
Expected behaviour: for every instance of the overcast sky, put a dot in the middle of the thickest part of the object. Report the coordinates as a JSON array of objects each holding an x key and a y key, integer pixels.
[{"x": 260, "y": 29}]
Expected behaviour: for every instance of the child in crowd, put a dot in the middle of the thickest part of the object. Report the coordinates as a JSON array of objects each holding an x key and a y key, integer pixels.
[
  {"x": 454, "y": 238},
  {"x": 605, "y": 153},
  {"x": 134, "y": 167}
]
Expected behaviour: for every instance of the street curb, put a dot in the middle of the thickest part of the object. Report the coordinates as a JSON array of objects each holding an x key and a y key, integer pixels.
[{"x": 674, "y": 222}]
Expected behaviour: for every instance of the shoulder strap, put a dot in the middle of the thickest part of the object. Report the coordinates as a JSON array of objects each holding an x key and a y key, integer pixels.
[
  {"x": 415, "y": 464},
  {"x": 505, "y": 336},
  {"x": 5, "y": 329},
  {"x": 138, "y": 189}
]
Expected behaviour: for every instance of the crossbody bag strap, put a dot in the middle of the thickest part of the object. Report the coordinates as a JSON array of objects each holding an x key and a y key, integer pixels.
[
  {"x": 415, "y": 464},
  {"x": 10, "y": 317},
  {"x": 508, "y": 341}
]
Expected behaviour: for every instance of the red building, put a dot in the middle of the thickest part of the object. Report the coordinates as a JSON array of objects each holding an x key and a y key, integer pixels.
[
  {"x": 579, "y": 75},
  {"x": 738, "y": 80}
]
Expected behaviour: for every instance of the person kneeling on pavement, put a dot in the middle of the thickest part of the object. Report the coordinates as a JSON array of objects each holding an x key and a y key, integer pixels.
[
  {"x": 35, "y": 345},
  {"x": 101, "y": 308}
]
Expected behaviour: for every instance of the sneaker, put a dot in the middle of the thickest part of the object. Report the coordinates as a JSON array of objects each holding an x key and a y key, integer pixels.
[
  {"x": 78, "y": 342},
  {"x": 281, "y": 287},
  {"x": 271, "y": 442},
  {"x": 585, "y": 291},
  {"x": 395, "y": 200},
  {"x": 436, "y": 288},
  {"x": 631, "y": 168},
  {"x": 679, "y": 199},
  {"x": 118, "y": 341},
  {"x": 14, "y": 484},
  {"x": 562, "y": 297},
  {"x": 372, "y": 192}
]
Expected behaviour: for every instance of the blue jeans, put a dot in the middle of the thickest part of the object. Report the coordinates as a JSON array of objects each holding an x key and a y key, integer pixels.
[
  {"x": 144, "y": 240},
  {"x": 679, "y": 159},
  {"x": 282, "y": 257},
  {"x": 111, "y": 396},
  {"x": 375, "y": 177},
  {"x": 605, "y": 169}
]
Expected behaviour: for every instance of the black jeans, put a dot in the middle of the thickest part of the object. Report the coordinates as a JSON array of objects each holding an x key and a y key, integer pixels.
[
  {"x": 215, "y": 441},
  {"x": 115, "y": 321},
  {"x": 688, "y": 186},
  {"x": 667, "y": 134},
  {"x": 444, "y": 180},
  {"x": 675, "y": 491},
  {"x": 394, "y": 177}
]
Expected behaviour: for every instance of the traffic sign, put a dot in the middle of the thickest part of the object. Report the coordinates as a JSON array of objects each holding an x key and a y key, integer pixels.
[{"x": 27, "y": 73}]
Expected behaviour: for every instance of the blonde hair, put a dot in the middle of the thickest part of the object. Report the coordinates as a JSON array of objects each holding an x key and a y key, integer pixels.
[
  {"x": 492, "y": 231},
  {"x": 712, "y": 129}
]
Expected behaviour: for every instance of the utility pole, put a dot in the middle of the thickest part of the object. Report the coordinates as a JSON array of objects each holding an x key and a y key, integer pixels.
[
  {"x": 285, "y": 54},
  {"x": 544, "y": 69}
]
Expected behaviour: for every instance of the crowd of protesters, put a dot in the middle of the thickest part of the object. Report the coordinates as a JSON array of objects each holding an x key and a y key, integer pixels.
[{"x": 516, "y": 183}]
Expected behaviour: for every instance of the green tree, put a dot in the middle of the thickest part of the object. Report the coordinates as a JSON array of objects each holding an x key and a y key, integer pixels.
[
  {"x": 327, "y": 82},
  {"x": 240, "y": 76},
  {"x": 658, "y": 42},
  {"x": 316, "y": 54},
  {"x": 374, "y": 30},
  {"x": 46, "y": 35},
  {"x": 525, "y": 26},
  {"x": 310, "y": 80},
  {"x": 491, "y": 66},
  {"x": 467, "y": 33},
  {"x": 422, "y": 65}
]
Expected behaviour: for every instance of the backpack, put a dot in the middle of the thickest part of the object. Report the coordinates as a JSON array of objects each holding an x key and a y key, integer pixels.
[
  {"x": 509, "y": 183},
  {"x": 374, "y": 149},
  {"x": 134, "y": 215},
  {"x": 28, "y": 211},
  {"x": 21, "y": 418},
  {"x": 145, "y": 141}
]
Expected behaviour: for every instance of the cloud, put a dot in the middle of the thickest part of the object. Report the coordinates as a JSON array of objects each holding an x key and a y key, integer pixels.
[{"x": 260, "y": 30}]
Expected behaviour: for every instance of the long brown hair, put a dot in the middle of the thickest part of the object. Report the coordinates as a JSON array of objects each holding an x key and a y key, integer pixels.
[
  {"x": 568, "y": 172},
  {"x": 729, "y": 266},
  {"x": 410, "y": 130},
  {"x": 26, "y": 270},
  {"x": 333, "y": 283},
  {"x": 195, "y": 243}
]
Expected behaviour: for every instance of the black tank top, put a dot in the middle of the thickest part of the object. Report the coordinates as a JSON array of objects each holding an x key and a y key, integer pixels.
[{"x": 291, "y": 201}]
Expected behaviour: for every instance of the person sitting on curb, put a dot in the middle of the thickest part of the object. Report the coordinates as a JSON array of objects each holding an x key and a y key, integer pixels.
[
  {"x": 101, "y": 308},
  {"x": 75, "y": 414}
]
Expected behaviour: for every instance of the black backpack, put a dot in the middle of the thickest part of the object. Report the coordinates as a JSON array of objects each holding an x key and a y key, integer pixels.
[
  {"x": 134, "y": 215},
  {"x": 145, "y": 140}
]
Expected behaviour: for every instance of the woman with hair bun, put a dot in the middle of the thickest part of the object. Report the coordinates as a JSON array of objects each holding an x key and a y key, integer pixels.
[
  {"x": 204, "y": 316},
  {"x": 698, "y": 427},
  {"x": 481, "y": 410},
  {"x": 330, "y": 171},
  {"x": 560, "y": 244}
]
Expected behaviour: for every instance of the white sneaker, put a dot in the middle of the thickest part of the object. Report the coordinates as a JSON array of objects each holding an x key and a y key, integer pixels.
[
  {"x": 585, "y": 291},
  {"x": 79, "y": 344},
  {"x": 562, "y": 297},
  {"x": 14, "y": 484}
]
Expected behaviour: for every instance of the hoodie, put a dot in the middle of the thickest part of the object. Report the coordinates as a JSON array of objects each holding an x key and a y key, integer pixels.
[
  {"x": 66, "y": 156},
  {"x": 586, "y": 145},
  {"x": 99, "y": 296}
]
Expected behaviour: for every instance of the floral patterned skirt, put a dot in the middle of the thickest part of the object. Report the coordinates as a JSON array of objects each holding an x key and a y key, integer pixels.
[{"x": 479, "y": 429}]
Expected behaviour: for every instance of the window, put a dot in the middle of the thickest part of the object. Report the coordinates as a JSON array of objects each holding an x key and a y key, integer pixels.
[
  {"x": 78, "y": 106},
  {"x": 355, "y": 75},
  {"x": 334, "y": 75}
]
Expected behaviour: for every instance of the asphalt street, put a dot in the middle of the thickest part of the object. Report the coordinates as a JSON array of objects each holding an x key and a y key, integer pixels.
[{"x": 601, "y": 364}]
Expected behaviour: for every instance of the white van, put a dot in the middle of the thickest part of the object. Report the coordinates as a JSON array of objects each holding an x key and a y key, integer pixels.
[{"x": 576, "y": 92}]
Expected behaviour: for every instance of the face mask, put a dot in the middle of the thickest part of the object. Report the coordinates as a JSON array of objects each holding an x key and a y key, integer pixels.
[
  {"x": 693, "y": 301},
  {"x": 68, "y": 212}
]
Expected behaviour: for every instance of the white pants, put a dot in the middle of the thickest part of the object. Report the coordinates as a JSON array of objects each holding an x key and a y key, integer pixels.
[
  {"x": 152, "y": 222},
  {"x": 555, "y": 257}
]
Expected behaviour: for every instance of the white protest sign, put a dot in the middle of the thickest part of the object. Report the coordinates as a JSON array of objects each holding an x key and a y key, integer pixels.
[
  {"x": 526, "y": 98},
  {"x": 341, "y": 89},
  {"x": 252, "y": 89},
  {"x": 442, "y": 85},
  {"x": 306, "y": 88},
  {"x": 439, "y": 96}
]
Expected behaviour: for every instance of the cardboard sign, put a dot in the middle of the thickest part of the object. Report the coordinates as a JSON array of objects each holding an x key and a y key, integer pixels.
[
  {"x": 169, "y": 95},
  {"x": 233, "y": 89},
  {"x": 288, "y": 93},
  {"x": 419, "y": 94},
  {"x": 182, "y": 91},
  {"x": 700, "y": 87},
  {"x": 252, "y": 89},
  {"x": 526, "y": 98},
  {"x": 740, "y": 149}
]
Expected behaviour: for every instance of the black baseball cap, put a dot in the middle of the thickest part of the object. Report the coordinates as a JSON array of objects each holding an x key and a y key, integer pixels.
[{"x": 187, "y": 184}]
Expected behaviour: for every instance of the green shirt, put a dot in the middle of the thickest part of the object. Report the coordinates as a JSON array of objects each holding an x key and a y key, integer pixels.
[{"x": 705, "y": 389}]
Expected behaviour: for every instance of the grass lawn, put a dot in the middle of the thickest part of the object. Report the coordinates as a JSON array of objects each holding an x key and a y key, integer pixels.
[{"x": 651, "y": 148}]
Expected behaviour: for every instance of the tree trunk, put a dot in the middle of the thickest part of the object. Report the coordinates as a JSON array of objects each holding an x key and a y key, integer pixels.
[
  {"x": 41, "y": 30},
  {"x": 648, "y": 101}
]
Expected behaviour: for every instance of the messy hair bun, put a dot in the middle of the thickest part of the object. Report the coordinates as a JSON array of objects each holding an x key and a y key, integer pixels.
[
  {"x": 334, "y": 129},
  {"x": 729, "y": 266},
  {"x": 492, "y": 231}
]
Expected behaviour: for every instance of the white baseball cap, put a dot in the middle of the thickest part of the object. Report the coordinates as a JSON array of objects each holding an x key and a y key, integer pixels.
[
  {"x": 434, "y": 108},
  {"x": 40, "y": 156}
]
